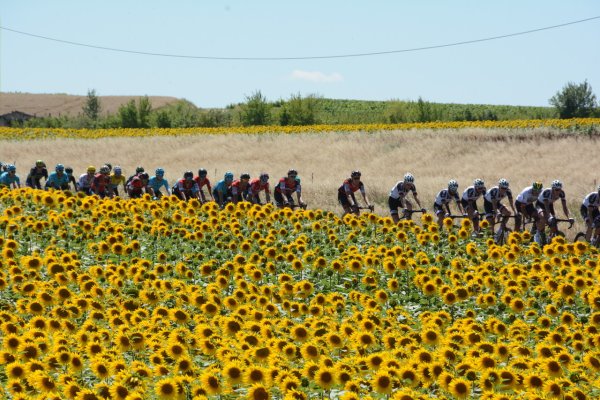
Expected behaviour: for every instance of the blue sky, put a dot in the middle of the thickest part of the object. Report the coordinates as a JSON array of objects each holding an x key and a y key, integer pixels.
[{"x": 521, "y": 70}]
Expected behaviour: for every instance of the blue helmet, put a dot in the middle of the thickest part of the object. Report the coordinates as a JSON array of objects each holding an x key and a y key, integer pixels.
[
  {"x": 159, "y": 171},
  {"x": 59, "y": 168},
  {"x": 228, "y": 176},
  {"x": 11, "y": 167}
]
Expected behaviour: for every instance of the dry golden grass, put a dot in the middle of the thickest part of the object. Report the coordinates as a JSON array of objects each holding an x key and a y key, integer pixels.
[
  {"x": 325, "y": 160},
  {"x": 44, "y": 105}
]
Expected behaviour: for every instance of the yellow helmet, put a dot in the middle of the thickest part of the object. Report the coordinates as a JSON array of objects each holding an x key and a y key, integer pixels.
[{"x": 91, "y": 168}]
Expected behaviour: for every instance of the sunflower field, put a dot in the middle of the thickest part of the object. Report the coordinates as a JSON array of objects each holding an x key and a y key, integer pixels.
[{"x": 140, "y": 299}]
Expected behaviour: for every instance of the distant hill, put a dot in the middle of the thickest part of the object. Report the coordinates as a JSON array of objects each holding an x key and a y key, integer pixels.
[{"x": 44, "y": 105}]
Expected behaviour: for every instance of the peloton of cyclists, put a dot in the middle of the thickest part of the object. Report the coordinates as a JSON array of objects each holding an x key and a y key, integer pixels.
[
  {"x": 258, "y": 185},
  {"x": 545, "y": 207},
  {"x": 346, "y": 193},
  {"x": 492, "y": 204},
  {"x": 591, "y": 215},
  {"x": 397, "y": 197},
  {"x": 285, "y": 188},
  {"x": 441, "y": 205},
  {"x": 525, "y": 205}
]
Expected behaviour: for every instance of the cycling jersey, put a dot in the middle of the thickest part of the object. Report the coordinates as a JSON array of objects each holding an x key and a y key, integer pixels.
[
  {"x": 286, "y": 187},
  {"x": 57, "y": 181},
  {"x": 472, "y": 194},
  {"x": 34, "y": 177},
  {"x": 348, "y": 187},
  {"x": 222, "y": 187},
  {"x": 203, "y": 182},
  {"x": 494, "y": 194},
  {"x": 100, "y": 183},
  {"x": 156, "y": 183},
  {"x": 116, "y": 180},
  {"x": 592, "y": 200},
  {"x": 184, "y": 185},
  {"x": 256, "y": 186},
  {"x": 444, "y": 197},
  {"x": 239, "y": 187},
  {"x": 548, "y": 195},
  {"x": 7, "y": 179},
  {"x": 527, "y": 196},
  {"x": 85, "y": 181},
  {"x": 401, "y": 189}
]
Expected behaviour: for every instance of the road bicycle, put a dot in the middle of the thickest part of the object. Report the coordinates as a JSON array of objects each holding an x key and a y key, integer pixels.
[{"x": 580, "y": 236}]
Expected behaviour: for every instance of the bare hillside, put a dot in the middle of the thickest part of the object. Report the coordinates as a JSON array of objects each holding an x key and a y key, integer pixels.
[{"x": 44, "y": 105}]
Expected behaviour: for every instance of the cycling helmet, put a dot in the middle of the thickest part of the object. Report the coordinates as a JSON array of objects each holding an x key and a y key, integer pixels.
[
  {"x": 188, "y": 175},
  {"x": 159, "y": 172},
  {"x": 139, "y": 169},
  {"x": 409, "y": 178},
  {"x": 59, "y": 168},
  {"x": 292, "y": 172},
  {"x": 452, "y": 185},
  {"x": 109, "y": 165},
  {"x": 228, "y": 176},
  {"x": 355, "y": 174},
  {"x": 118, "y": 170},
  {"x": 478, "y": 183},
  {"x": 11, "y": 168},
  {"x": 40, "y": 163},
  {"x": 264, "y": 176},
  {"x": 104, "y": 170},
  {"x": 503, "y": 183},
  {"x": 144, "y": 176},
  {"x": 69, "y": 170},
  {"x": 537, "y": 185},
  {"x": 557, "y": 184},
  {"x": 245, "y": 176},
  {"x": 91, "y": 168},
  {"x": 202, "y": 172}
]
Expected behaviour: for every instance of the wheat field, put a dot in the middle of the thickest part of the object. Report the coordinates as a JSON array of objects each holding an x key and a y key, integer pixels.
[{"x": 324, "y": 160}]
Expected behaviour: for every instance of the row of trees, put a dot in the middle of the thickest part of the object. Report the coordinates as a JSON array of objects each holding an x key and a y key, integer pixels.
[{"x": 574, "y": 100}]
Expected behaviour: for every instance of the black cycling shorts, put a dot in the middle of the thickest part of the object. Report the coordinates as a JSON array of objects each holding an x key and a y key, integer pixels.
[
  {"x": 489, "y": 208},
  {"x": 395, "y": 204},
  {"x": 530, "y": 210}
]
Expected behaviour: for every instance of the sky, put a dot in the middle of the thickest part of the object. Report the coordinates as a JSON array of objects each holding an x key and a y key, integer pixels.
[{"x": 518, "y": 70}]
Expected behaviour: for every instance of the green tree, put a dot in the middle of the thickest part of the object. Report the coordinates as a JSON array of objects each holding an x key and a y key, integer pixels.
[
  {"x": 144, "y": 109},
  {"x": 256, "y": 110},
  {"x": 92, "y": 106},
  {"x": 128, "y": 115},
  {"x": 163, "y": 119},
  {"x": 299, "y": 111},
  {"x": 574, "y": 100}
]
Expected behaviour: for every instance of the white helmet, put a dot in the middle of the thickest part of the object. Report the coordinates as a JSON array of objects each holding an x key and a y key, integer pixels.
[
  {"x": 557, "y": 184},
  {"x": 478, "y": 183},
  {"x": 503, "y": 183},
  {"x": 452, "y": 185},
  {"x": 409, "y": 178}
]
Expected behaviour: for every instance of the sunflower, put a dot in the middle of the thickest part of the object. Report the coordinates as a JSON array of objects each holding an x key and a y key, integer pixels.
[
  {"x": 258, "y": 392},
  {"x": 255, "y": 374},
  {"x": 233, "y": 373},
  {"x": 382, "y": 382},
  {"x": 166, "y": 389},
  {"x": 325, "y": 377},
  {"x": 460, "y": 388},
  {"x": 211, "y": 382}
]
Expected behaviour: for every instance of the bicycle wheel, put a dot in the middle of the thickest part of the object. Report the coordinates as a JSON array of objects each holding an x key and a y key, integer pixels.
[
  {"x": 501, "y": 236},
  {"x": 580, "y": 237}
]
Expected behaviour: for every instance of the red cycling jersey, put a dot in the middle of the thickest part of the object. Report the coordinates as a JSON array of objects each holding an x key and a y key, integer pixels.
[
  {"x": 100, "y": 183},
  {"x": 287, "y": 187},
  {"x": 203, "y": 182},
  {"x": 349, "y": 187},
  {"x": 256, "y": 186}
]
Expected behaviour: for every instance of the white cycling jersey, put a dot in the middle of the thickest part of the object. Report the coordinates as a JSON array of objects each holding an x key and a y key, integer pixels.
[
  {"x": 528, "y": 195},
  {"x": 550, "y": 195},
  {"x": 592, "y": 200},
  {"x": 401, "y": 189},
  {"x": 494, "y": 194},
  {"x": 444, "y": 197},
  {"x": 471, "y": 194}
]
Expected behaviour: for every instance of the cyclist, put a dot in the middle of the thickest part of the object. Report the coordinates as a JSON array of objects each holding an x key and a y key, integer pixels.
[
  {"x": 469, "y": 202},
  {"x": 284, "y": 189},
  {"x": 525, "y": 205},
  {"x": 222, "y": 191},
  {"x": 71, "y": 179},
  {"x": 58, "y": 179},
  {"x": 9, "y": 178},
  {"x": 186, "y": 188},
  {"x": 346, "y": 193},
  {"x": 545, "y": 208},
  {"x": 101, "y": 183},
  {"x": 138, "y": 170},
  {"x": 441, "y": 205},
  {"x": 117, "y": 178},
  {"x": 257, "y": 185},
  {"x": 398, "y": 195},
  {"x": 85, "y": 180},
  {"x": 157, "y": 182},
  {"x": 590, "y": 213},
  {"x": 492, "y": 204},
  {"x": 37, "y": 172},
  {"x": 239, "y": 188},
  {"x": 202, "y": 180},
  {"x": 138, "y": 185}
]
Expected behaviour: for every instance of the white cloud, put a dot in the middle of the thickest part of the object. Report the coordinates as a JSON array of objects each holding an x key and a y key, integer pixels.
[{"x": 316, "y": 76}]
